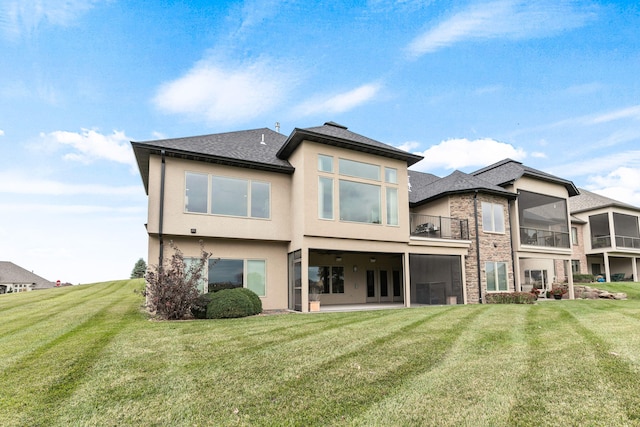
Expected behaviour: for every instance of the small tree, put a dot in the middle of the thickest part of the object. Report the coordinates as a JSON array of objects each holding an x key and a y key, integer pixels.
[
  {"x": 172, "y": 289},
  {"x": 139, "y": 269}
]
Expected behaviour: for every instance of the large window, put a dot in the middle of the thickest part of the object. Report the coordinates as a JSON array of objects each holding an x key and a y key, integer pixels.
[
  {"x": 543, "y": 220},
  {"x": 238, "y": 273},
  {"x": 600, "y": 234},
  {"x": 496, "y": 276},
  {"x": 326, "y": 280},
  {"x": 325, "y": 198},
  {"x": 492, "y": 217},
  {"x": 626, "y": 230},
  {"x": 221, "y": 195},
  {"x": 359, "y": 169},
  {"x": 196, "y": 189},
  {"x": 359, "y": 202},
  {"x": 392, "y": 206}
]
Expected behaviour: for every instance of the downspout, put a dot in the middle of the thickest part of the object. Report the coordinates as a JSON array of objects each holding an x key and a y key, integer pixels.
[
  {"x": 475, "y": 213},
  {"x": 161, "y": 216}
]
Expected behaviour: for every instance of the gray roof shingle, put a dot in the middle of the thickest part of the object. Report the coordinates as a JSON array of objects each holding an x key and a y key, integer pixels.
[
  {"x": 587, "y": 201},
  {"x": 455, "y": 183},
  {"x": 507, "y": 171},
  {"x": 337, "y": 135},
  {"x": 11, "y": 273}
]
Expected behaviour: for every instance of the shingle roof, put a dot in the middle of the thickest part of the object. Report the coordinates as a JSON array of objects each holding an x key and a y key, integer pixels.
[
  {"x": 455, "y": 183},
  {"x": 254, "y": 148},
  {"x": 587, "y": 201},
  {"x": 11, "y": 273},
  {"x": 337, "y": 135},
  {"x": 507, "y": 171}
]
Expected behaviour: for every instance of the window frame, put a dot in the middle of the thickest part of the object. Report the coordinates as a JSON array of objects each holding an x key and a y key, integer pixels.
[
  {"x": 494, "y": 207},
  {"x": 329, "y": 288},
  {"x": 496, "y": 275},
  {"x": 245, "y": 272}
]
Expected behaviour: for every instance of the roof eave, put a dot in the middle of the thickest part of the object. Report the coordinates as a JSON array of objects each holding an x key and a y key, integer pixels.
[
  {"x": 506, "y": 194},
  {"x": 298, "y": 135}
]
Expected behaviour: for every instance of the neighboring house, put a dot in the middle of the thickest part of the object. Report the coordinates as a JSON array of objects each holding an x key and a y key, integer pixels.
[
  {"x": 326, "y": 208},
  {"x": 16, "y": 279},
  {"x": 609, "y": 236}
]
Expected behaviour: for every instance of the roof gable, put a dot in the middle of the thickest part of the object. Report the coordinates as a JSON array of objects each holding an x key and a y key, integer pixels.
[
  {"x": 332, "y": 133},
  {"x": 587, "y": 200},
  {"x": 455, "y": 183},
  {"x": 508, "y": 171}
]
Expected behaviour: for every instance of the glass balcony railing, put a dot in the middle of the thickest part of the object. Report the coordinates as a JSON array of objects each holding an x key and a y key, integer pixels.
[
  {"x": 438, "y": 227},
  {"x": 540, "y": 237}
]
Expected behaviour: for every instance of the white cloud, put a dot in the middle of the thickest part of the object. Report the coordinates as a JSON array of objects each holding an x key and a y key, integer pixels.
[
  {"x": 409, "y": 146},
  {"x": 461, "y": 153},
  {"x": 623, "y": 184},
  {"x": 341, "y": 102},
  {"x": 90, "y": 145},
  {"x": 1, "y": 132},
  {"x": 16, "y": 182},
  {"x": 218, "y": 94},
  {"x": 502, "y": 19},
  {"x": 24, "y": 17},
  {"x": 601, "y": 165}
]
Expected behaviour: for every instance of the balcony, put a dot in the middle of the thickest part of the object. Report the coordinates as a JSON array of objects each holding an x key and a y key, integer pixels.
[
  {"x": 547, "y": 238},
  {"x": 627, "y": 242},
  {"x": 438, "y": 227}
]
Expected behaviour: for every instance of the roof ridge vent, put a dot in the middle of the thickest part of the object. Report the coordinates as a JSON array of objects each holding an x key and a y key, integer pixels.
[{"x": 334, "y": 124}]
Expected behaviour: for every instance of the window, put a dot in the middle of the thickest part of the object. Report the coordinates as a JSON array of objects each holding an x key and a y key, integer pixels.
[
  {"x": 496, "y": 276},
  {"x": 492, "y": 217},
  {"x": 574, "y": 235},
  {"x": 325, "y": 163},
  {"x": 328, "y": 280},
  {"x": 227, "y": 196},
  {"x": 390, "y": 175},
  {"x": 195, "y": 196},
  {"x": 238, "y": 273},
  {"x": 359, "y": 202},
  {"x": 575, "y": 266},
  {"x": 359, "y": 169},
  {"x": 325, "y": 198},
  {"x": 543, "y": 220},
  {"x": 392, "y": 206}
]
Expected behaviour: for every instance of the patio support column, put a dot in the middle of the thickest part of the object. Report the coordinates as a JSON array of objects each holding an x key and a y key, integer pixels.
[
  {"x": 304, "y": 278},
  {"x": 406, "y": 277},
  {"x": 634, "y": 268},
  {"x": 569, "y": 272},
  {"x": 607, "y": 270}
]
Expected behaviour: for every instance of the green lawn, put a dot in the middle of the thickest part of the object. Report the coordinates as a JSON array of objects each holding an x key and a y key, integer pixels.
[{"x": 87, "y": 355}]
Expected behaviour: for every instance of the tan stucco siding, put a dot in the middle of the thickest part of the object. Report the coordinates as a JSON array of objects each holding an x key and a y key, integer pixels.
[{"x": 178, "y": 222}]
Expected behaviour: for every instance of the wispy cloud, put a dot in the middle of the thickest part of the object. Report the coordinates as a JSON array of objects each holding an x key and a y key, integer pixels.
[
  {"x": 90, "y": 145},
  {"x": 219, "y": 93},
  {"x": 461, "y": 153},
  {"x": 20, "y": 18},
  {"x": 503, "y": 19},
  {"x": 16, "y": 182},
  {"x": 622, "y": 183},
  {"x": 340, "y": 102}
]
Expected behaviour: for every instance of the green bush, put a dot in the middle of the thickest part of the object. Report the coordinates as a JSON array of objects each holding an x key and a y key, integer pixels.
[
  {"x": 229, "y": 303},
  {"x": 199, "y": 306},
  {"x": 256, "y": 303},
  {"x": 510, "y": 298},
  {"x": 583, "y": 278}
]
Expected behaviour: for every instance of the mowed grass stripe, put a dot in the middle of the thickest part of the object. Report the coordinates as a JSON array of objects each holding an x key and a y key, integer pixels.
[
  {"x": 471, "y": 385},
  {"x": 563, "y": 384},
  {"x": 60, "y": 363},
  {"x": 27, "y": 336}
]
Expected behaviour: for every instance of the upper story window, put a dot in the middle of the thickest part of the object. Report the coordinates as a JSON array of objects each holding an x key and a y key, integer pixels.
[
  {"x": 325, "y": 163},
  {"x": 359, "y": 202},
  {"x": 359, "y": 169},
  {"x": 492, "y": 217},
  {"x": 544, "y": 220},
  {"x": 574, "y": 235},
  {"x": 391, "y": 175},
  {"x": 221, "y": 195}
]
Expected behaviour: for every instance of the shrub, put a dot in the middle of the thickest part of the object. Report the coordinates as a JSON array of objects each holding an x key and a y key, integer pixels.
[
  {"x": 583, "y": 278},
  {"x": 215, "y": 287},
  {"x": 229, "y": 303},
  {"x": 199, "y": 306},
  {"x": 510, "y": 298},
  {"x": 172, "y": 288},
  {"x": 256, "y": 303}
]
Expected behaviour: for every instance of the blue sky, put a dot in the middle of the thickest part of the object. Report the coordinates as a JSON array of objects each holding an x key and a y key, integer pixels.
[{"x": 553, "y": 84}]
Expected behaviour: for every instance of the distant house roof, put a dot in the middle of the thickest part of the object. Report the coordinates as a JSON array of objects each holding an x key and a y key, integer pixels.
[
  {"x": 508, "y": 171},
  {"x": 332, "y": 133},
  {"x": 262, "y": 149},
  {"x": 587, "y": 201},
  {"x": 13, "y": 274},
  {"x": 455, "y": 183},
  {"x": 254, "y": 149}
]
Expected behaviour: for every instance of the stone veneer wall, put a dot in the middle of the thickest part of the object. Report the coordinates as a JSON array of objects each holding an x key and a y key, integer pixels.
[
  {"x": 493, "y": 246},
  {"x": 578, "y": 252}
]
